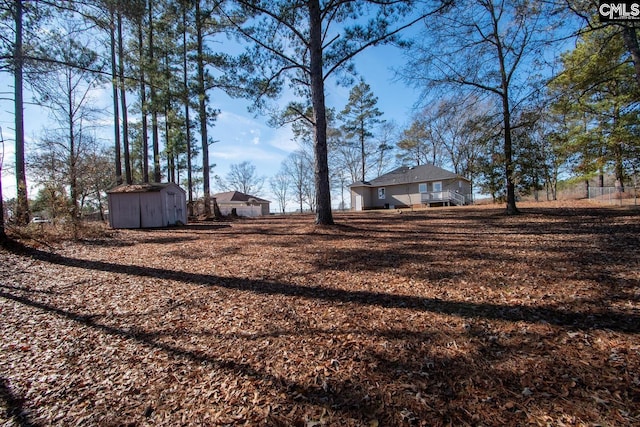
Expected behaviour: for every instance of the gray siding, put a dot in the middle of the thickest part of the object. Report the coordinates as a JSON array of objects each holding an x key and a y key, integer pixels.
[
  {"x": 403, "y": 195},
  {"x": 148, "y": 209},
  {"x": 124, "y": 210}
]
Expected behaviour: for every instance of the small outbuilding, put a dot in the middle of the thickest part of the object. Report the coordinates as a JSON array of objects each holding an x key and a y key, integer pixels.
[
  {"x": 147, "y": 205},
  {"x": 244, "y": 204}
]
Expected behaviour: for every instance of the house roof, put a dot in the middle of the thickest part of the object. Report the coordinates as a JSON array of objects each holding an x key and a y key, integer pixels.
[
  {"x": 409, "y": 174},
  {"x": 143, "y": 188},
  {"x": 236, "y": 196}
]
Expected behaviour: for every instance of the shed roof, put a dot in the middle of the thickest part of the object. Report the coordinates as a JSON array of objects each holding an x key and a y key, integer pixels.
[
  {"x": 409, "y": 174},
  {"x": 236, "y": 196},
  {"x": 143, "y": 188}
]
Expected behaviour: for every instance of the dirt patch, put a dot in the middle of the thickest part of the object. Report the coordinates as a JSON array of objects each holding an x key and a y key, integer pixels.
[{"x": 458, "y": 316}]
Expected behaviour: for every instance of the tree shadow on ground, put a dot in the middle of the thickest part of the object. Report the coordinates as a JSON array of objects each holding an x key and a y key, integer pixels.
[
  {"x": 419, "y": 381},
  {"x": 14, "y": 405},
  {"x": 422, "y": 384},
  {"x": 604, "y": 319},
  {"x": 343, "y": 403},
  {"x": 424, "y": 381}
]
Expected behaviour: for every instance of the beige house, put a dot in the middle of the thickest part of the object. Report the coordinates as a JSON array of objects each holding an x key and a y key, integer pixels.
[
  {"x": 244, "y": 204},
  {"x": 411, "y": 186}
]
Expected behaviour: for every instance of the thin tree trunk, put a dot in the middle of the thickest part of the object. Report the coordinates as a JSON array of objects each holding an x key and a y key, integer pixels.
[
  {"x": 73, "y": 173},
  {"x": 100, "y": 204},
  {"x": 3, "y": 235},
  {"x": 143, "y": 106},
  {"x": 185, "y": 81},
  {"x": 22, "y": 201},
  {"x": 324, "y": 215},
  {"x": 586, "y": 187},
  {"x": 157, "y": 176},
  {"x": 202, "y": 96},
  {"x": 362, "y": 152},
  {"x": 508, "y": 155},
  {"x": 506, "y": 112},
  {"x": 116, "y": 108},
  {"x": 123, "y": 100},
  {"x": 170, "y": 149},
  {"x": 617, "y": 154}
]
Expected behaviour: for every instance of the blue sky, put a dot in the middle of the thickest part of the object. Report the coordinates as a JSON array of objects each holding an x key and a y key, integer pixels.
[{"x": 241, "y": 136}]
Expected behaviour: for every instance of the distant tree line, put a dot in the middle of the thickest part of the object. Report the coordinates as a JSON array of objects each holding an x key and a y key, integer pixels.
[{"x": 514, "y": 94}]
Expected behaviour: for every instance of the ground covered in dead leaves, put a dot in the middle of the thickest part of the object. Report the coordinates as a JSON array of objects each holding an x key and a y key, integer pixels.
[{"x": 458, "y": 316}]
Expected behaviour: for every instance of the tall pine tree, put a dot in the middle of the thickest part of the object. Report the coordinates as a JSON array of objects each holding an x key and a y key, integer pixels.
[
  {"x": 307, "y": 42},
  {"x": 360, "y": 116},
  {"x": 597, "y": 92}
]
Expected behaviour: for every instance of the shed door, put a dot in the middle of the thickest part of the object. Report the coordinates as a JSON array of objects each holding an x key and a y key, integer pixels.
[
  {"x": 171, "y": 209},
  {"x": 358, "y": 202},
  {"x": 151, "y": 210}
]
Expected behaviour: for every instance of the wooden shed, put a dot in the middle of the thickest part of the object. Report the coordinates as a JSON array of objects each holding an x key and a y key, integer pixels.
[{"x": 147, "y": 205}]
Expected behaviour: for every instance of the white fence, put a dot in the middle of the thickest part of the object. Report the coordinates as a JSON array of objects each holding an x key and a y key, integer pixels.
[{"x": 613, "y": 195}]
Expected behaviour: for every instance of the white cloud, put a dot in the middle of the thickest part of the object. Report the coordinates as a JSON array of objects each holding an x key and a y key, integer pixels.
[
  {"x": 282, "y": 139},
  {"x": 237, "y": 121},
  {"x": 232, "y": 127},
  {"x": 255, "y": 136},
  {"x": 240, "y": 153}
]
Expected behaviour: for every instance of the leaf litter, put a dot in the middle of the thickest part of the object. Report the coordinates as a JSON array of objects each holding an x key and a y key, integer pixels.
[{"x": 440, "y": 317}]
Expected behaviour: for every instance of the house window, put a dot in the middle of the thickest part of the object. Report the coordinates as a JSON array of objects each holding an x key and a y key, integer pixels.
[
  {"x": 422, "y": 188},
  {"x": 381, "y": 194},
  {"x": 437, "y": 186}
]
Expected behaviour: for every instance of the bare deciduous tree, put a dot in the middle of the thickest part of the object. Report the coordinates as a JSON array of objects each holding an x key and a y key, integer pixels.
[
  {"x": 242, "y": 177},
  {"x": 66, "y": 91},
  {"x": 280, "y": 185},
  {"x": 489, "y": 47}
]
